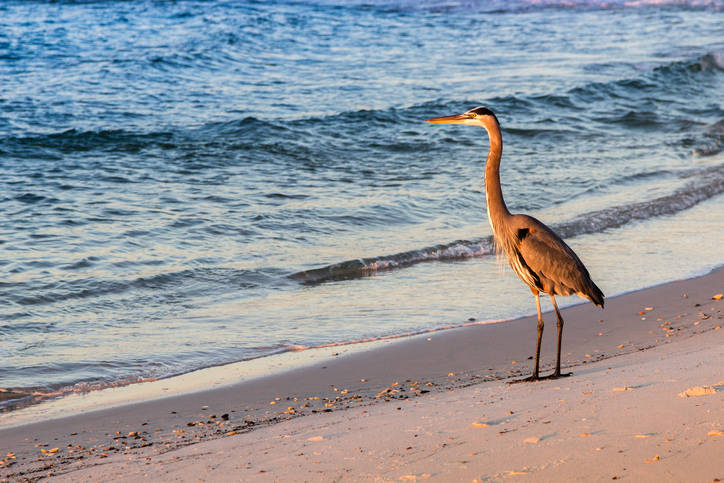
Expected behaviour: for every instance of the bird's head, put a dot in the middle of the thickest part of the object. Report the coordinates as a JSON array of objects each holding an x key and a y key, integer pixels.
[{"x": 478, "y": 116}]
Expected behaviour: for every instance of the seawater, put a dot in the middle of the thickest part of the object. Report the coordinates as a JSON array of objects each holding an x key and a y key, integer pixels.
[{"x": 187, "y": 184}]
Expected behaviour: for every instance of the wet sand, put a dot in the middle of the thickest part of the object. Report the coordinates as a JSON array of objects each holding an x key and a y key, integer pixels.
[
  {"x": 630, "y": 363},
  {"x": 10, "y": 395}
]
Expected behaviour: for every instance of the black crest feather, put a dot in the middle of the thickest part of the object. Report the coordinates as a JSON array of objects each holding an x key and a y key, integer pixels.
[{"x": 484, "y": 111}]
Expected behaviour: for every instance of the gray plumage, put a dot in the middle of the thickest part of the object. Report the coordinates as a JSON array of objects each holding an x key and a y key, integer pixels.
[
  {"x": 539, "y": 257},
  {"x": 550, "y": 262}
]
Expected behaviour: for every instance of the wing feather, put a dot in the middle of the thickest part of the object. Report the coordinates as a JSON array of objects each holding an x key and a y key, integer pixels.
[{"x": 556, "y": 265}]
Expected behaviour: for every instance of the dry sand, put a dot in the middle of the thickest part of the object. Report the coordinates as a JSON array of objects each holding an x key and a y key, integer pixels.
[{"x": 435, "y": 407}]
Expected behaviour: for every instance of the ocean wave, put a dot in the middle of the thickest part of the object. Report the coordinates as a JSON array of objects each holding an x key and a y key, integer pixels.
[
  {"x": 677, "y": 74},
  {"x": 699, "y": 189},
  {"x": 313, "y": 137},
  {"x": 72, "y": 141},
  {"x": 351, "y": 269},
  {"x": 523, "y": 6},
  {"x": 713, "y": 140},
  {"x": 612, "y": 4},
  {"x": 190, "y": 279}
]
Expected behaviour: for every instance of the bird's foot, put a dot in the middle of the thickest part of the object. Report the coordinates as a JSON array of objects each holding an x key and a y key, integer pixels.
[
  {"x": 532, "y": 378},
  {"x": 557, "y": 375}
]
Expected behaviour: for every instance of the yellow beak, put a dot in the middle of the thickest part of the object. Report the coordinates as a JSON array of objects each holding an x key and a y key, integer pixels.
[{"x": 456, "y": 119}]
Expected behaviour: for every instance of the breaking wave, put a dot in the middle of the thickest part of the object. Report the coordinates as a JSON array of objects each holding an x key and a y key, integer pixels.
[{"x": 700, "y": 189}]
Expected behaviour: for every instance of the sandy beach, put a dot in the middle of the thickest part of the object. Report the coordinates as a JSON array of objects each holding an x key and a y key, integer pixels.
[
  {"x": 645, "y": 403},
  {"x": 270, "y": 241}
]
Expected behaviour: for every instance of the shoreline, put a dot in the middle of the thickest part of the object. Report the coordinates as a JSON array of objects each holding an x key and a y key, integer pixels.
[
  {"x": 56, "y": 405},
  {"x": 18, "y": 407},
  {"x": 412, "y": 368},
  {"x": 651, "y": 416}
]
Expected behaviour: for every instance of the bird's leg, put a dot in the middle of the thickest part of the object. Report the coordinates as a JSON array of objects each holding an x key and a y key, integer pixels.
[
  {"x": 540, "y": 335},
  {"x": 557, "y": 372},
  {"x": 535, "y": 377}
]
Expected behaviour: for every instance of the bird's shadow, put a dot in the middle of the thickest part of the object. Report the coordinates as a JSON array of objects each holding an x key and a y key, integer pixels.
[{"x": 541, "y": 378}]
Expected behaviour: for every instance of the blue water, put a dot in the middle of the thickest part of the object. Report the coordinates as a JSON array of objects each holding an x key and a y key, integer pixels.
[{"x": 187, "y": 184}]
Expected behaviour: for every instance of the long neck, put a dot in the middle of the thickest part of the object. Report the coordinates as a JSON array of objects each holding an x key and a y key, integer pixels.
[{"x": 497, "y": 211}]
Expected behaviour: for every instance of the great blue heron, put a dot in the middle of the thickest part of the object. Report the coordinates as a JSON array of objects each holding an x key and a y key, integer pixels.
[{"x": 536, "y": 254}]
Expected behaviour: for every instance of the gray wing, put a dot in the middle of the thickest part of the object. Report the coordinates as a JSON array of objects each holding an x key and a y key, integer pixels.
[{"x": 558, "y": 268}]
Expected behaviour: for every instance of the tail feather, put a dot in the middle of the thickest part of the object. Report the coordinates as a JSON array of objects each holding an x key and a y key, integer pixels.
[{"x": 595, "y": 294}]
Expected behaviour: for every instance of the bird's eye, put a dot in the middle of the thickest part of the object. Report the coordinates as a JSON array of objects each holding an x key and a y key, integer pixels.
[{"x": 473, "y": 115}]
